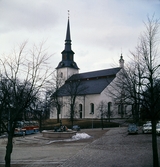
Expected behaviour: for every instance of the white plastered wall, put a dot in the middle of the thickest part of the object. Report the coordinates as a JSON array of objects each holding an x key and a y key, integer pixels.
[{"x": 66, "y": 72}]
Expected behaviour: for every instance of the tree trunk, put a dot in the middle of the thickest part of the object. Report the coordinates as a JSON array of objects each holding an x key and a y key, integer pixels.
[
  {"x": 0, "y": 127},
  {"x": 57, "y": 116},
  {"x": 40, "y": 123},
  {"x": 72, "y": 114},
  {"x": 102, "y": 125},
  {"x": 109, "y": 119},
  {"x": 154, "y": 145},
  {"x": 72, "y": 118},
  {"x": 9, "y": 148},
  {"x": 58, "y": 112}
]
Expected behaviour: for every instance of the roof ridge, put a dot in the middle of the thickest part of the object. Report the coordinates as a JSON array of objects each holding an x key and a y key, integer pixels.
[
  {"x": 95, "y": 74},
  {"x": 98, "y": 70}
]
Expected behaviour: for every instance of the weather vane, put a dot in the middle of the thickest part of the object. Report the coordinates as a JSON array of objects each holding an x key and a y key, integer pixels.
[
  {"x": 121, "y": 51},
  {"x": 68, "y": 14}
]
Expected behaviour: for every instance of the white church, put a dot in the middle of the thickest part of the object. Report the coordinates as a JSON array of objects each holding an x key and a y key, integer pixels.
[{"x": 93, "y": 87}]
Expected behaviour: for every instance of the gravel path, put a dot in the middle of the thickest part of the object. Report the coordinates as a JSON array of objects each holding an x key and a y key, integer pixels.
[{"x": 108, "y": 148}]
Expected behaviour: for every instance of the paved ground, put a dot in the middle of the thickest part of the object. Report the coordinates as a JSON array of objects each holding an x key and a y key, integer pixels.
[
  {"x": 34, "y": 150},
  {"x": 108, "y": 148},
  {"x": 115, "y": 149}
]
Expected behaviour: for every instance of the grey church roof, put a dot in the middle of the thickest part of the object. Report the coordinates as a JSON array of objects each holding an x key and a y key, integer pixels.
[{"x": 90, "y": 82}]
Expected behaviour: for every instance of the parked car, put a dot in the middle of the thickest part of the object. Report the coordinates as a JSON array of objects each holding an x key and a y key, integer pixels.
[
  {"x": 147, "y": 128},
  {"x": 158, "y": 128},
  {"x": 76, "y": 127},
  {"x": 132, "y": 129}
]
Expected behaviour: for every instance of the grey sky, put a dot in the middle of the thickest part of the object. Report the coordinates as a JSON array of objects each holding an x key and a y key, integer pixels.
[{"x": 100, "y": 29}]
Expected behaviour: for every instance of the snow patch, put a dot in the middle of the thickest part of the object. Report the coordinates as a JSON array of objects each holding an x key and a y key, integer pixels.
[{"x": 79, "y": 136}]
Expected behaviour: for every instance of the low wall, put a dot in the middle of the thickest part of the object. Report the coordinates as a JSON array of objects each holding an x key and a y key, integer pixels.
[{"x": 52, "y": 134}]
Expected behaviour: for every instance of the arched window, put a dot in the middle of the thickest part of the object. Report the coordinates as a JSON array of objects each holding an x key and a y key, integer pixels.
[
  {"x": 125, "y": 109},
  {"x": 80, "y": 107},
  {"x": 121, "y": 109},
  {"x": 109, "y": 106},
  {"x": 61, "y": 74},
  {"x": 80, "y": 110},
  {"x": 91, "y": 108}
]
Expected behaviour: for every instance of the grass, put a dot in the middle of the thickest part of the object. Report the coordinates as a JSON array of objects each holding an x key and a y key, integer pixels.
[{"x": 83, "y": 123}]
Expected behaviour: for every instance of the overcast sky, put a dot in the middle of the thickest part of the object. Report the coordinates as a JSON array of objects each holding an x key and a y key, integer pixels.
[{"x": 100, "y": 29}]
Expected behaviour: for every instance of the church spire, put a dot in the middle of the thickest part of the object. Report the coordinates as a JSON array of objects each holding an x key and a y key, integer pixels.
[
  {"x": 68, "y": 38},
  {"x": 67, "y": 53}
]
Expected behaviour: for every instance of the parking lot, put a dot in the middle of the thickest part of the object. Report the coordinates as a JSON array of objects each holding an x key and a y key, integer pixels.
[{"x": 110, "y": 147}]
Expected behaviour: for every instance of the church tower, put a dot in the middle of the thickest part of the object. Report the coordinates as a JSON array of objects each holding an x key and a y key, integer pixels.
[
  {"x": 67, "y": 67},
  {"x": 121, "y": 61}
]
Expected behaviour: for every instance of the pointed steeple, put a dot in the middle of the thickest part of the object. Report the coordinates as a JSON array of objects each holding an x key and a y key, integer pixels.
[
  {"x": 68, "y": 39},
  {"x": 67, "y": 53},
  {"x": 121, "y": 61}
]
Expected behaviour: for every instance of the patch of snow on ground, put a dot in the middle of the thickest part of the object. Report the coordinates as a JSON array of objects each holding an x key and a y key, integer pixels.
[{"x": 78, "y": 136}]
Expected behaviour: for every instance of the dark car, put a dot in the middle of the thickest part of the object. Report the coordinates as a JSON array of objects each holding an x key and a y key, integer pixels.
[
  {"x": 132, "y": 129},
  {"x": 76, "y": 127}
]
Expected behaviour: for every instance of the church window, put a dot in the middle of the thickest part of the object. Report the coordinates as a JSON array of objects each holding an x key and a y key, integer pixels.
[
  {"x": 71, "y": 58},
  {"x": 80, "y": 107},
  {"x": 109, "y": 106},
  {"x": 80, "y": 110},
  {"x": 125, "y": 109},
  {"x": 91, "y": 108},
  {"x": 64, "y": 57},
  {"x": 61, "y": 74},
  {"x": 121, "y": 109}
]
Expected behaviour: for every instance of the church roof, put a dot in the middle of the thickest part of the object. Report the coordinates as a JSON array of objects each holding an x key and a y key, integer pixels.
[
  {"x": 90, "y": 82},
  {"x": 95, "y": 74}
]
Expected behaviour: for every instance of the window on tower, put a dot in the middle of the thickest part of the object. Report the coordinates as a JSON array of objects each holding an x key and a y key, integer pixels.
[
  {"x": 71, "y": 58},
  {"x": 64, "y": 57}
]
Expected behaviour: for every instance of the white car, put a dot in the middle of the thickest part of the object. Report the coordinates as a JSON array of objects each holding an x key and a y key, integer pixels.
[
  {"x": 158, "y": 128},
  {"x": 147, "y": 128}
]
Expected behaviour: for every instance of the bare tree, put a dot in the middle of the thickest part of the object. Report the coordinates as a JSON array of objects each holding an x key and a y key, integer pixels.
[
  {"x": 125, "y": 89},
  {"x": 23, "y": 76},
  {"x": 148, "y": 49},
  {"x": 39, "y": 110},
  {"x": 104, "y": 111},
  {"x": 136, "y": 83},
  {"x": 73, "y": 89},
  {"x": 55, "y": 99}
]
